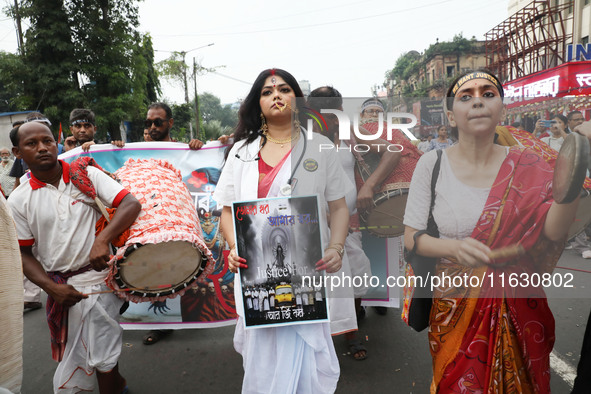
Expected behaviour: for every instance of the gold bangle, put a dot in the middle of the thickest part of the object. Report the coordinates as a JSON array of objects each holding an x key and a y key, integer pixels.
[
  {"x": 339, "y": 249},
  {"x": 232, "y": 246}
]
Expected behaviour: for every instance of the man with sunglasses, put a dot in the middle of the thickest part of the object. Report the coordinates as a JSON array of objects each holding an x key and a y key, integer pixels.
[{"x": 159, "y": 121}]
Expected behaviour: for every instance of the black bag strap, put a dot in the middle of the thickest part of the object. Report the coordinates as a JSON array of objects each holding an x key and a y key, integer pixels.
[{"x": 432, "y": 229}]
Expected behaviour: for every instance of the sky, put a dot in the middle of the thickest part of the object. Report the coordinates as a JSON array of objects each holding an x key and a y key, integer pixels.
[{"x": 344, "y": 43}]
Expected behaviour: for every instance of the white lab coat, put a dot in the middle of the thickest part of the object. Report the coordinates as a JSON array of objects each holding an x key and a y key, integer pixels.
[{"x": 298, "y": 358}]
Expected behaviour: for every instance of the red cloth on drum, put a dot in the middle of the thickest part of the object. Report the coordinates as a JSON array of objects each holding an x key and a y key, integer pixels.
[
  {"x": 102, "y": 223},
  {"x": 410, "y": 156},
  {"x": 529, "y": 141},
  {"x": 79, "y": 175},
  {"x": 57, "y": 314}
]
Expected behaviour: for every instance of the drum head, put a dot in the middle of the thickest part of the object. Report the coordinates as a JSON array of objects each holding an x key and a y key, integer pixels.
[
  {"x": 159, "y": 269},
  {"x": 385, "y": 220},
  {"x": 570, "y": 168}
]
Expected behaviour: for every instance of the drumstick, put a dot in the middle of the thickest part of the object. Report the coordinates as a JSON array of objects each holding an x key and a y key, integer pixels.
[
  {"x": 507, "y": 252},
  {"x": 102, "y": 208}
]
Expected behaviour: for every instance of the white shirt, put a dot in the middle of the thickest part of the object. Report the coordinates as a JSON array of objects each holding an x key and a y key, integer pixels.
[
  {"x": 60, "y": 222},
  {"x": 457, "y": 205},
  {"x": 554, "y": 143}
]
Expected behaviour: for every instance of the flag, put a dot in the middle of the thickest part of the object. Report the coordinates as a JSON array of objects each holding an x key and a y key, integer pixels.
[{"x": 60, "y": 135}]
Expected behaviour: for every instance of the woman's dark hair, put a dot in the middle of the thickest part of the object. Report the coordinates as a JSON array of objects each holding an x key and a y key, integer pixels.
[
  {"x": 249, "y": 115},
  {"x": 449, "y": 96},
  {"x": 561, "y": 117}
]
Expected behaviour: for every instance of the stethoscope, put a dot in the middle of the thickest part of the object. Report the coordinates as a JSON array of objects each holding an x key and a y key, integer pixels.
[{"x": 286, "y": 189}]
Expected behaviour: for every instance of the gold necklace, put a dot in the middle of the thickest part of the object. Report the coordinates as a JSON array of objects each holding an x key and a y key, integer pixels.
[{"x": 283, "y": 141}]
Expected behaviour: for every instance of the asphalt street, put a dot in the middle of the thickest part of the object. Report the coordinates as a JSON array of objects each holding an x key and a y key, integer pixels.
[{"x": 199, "y": 361}]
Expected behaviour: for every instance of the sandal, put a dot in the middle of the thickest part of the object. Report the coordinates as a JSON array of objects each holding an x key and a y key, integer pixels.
[
  {"x": 356, "y": 347},
  {"x": 154, "y": 336}
]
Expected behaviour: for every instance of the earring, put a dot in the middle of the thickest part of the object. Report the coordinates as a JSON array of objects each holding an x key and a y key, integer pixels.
[{"x": 264, "y": 127}]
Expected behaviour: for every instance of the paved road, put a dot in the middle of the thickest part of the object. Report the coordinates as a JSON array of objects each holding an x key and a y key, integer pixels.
[{"x": 197, "y": 361}]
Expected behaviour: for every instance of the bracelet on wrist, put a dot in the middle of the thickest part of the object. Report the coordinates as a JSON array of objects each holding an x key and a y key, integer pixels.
[{"x": 338, "y": 248}]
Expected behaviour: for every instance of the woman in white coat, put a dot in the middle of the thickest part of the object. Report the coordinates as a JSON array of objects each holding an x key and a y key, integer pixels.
[{"x": 260, "y": 164}]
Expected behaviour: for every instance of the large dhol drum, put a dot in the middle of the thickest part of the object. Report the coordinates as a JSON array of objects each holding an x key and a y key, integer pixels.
[
  {"x": 386, "y": 218},
  {"x": 165, "y": 253}
]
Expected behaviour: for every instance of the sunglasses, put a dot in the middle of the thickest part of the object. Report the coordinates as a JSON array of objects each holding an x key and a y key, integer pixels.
[{"x": 157, "y": 122}]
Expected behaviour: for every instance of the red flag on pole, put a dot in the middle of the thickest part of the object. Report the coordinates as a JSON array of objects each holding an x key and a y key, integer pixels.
[{"x": 60, "y": 135}]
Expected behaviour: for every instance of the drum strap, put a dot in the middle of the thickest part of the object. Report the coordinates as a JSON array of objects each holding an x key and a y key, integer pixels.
[{"x": 432, "y": 229}]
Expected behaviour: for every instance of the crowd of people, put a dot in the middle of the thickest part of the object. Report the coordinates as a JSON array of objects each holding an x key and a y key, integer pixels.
[{"x": 488, "y": 196}]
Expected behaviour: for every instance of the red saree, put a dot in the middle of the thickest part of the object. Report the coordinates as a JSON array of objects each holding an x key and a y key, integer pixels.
[
  {"x": 267, "y": 175},
  {"x": 495, "y": 338}
]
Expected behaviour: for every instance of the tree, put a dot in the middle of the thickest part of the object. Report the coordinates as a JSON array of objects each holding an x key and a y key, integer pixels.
[
  {"x": 183, "y": 115},
  {"x": 406, "y": 65},
  {"x": 51, "y": 83},
  {"x": 175, "y": 69},
  {"x": 88, "y": 53},
  {"x": 106, "y": 37},
  {"x": 11, "y": 83},
  {"x": 211, "y": 108},
  {"x": 457, "y": 46}
]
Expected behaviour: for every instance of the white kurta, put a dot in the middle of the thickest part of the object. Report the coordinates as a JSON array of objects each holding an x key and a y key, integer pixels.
[{"x": 299, "y": 358}]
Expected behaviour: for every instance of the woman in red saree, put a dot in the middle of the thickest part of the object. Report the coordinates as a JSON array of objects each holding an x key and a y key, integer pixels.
[{"x": 488, "y": 335}]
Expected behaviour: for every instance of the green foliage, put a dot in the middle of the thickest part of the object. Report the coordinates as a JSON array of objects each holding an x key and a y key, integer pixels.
[
  {"x": 215, "y": 119},
  {"x": 174, "y": 68},
  {"x": 212, "y": 130},
  {"x": 85, "y": 53},
  {"x": 459, "y": 45},
  {"x": 183, "y": 114},
  {"x": 210, "y": 108},
  {"x": 406, "y": 65},
  {"x": 12, "y": 75},
  {"x": 50, "y": 64}
]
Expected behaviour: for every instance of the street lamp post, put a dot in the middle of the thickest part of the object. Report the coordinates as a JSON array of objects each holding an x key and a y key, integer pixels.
[
  {"x": 197, "y": 130},
  {"x": 186, "y": 86}
]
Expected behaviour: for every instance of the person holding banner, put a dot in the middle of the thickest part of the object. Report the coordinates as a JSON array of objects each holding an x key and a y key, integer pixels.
[
  {"x": 158, "y": 123},
  {"x": 487, "y": 336},
  {"x": 296, "y": 358}
]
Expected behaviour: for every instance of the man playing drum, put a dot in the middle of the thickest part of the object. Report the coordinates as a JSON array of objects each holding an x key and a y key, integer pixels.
[{"x": 55, "y": 225}]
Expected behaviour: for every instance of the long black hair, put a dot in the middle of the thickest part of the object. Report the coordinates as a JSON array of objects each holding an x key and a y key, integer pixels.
[{"x": 249, "y": 115}]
